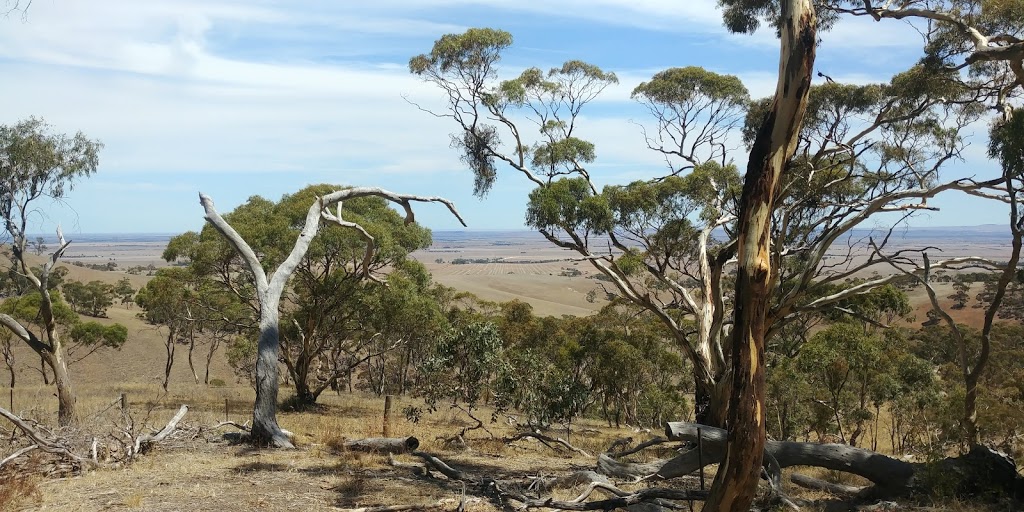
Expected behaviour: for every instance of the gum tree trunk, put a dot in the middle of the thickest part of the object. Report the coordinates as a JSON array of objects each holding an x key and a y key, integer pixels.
[
  {"x": 736, "y": 482},
  {"x": 66, "y": 402},
  {"x": 265, "y": 430}
]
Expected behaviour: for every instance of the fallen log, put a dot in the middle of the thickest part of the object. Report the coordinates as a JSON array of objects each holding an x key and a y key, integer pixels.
[
  {"x": 391, "y": 445},
  {"x": 979, "y": 472},
  {"x": 883, "y": 471},
  {"x": 630, "y": 471}
]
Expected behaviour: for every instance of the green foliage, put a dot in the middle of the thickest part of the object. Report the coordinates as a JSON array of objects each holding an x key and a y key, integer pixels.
[
  {"x": 35, "y": 162},
  {"x": 94, "y": 334},
  {"x": 329, "y": 313},
  {"x": 881, "y": 305},
  {"x": 462, "y": 365},
  {"x": 476, "y": 49},
  {"x": 841, "y": 362},
  {"x": 960, "y": 295},
  {"x": 746, "y": 16},
  {"x": 26, "y": 309},
  {"x": 14, "y": 283},
  {"x": 90, "y": 336},
  {"x": 790, "y": 414},
  {"x": 124, "y": 291},
  {"x": 1006, "y": 144},
  {"x": 241, "y": 354},
  {"x": 92, "y": 298},
  {"x": 570, "y": 204},
  {"x": 464, "y": 65},
  {"x": 682, "y": 86}
]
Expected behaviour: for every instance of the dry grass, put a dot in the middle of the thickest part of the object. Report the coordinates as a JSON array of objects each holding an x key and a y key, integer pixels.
[
  {"x": 218, "y": 475},
  {"x": 18, "y": 490}
]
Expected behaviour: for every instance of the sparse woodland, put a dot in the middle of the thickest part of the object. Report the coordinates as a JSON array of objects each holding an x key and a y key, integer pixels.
[{"x": 732, "y": 341}]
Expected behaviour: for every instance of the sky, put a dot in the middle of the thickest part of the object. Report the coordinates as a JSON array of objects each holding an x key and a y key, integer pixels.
[{"x": 236, "y": 98}]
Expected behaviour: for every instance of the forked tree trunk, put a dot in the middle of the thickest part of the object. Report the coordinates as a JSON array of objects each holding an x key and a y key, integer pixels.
[
  {"x": 735, "y": 484},
  {"x": 265, "y": 430},
  {"x": 66, "y": 402}
]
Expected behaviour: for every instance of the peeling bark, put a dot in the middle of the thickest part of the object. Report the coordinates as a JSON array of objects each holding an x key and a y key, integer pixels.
[{"x": 736, "y": 481}]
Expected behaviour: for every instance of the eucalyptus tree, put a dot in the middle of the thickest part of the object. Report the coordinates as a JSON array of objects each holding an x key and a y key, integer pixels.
[
  {"x": 37, "y": 165},
  {"x": 984, "y": 37},
  {"x": 265, "y": 291},
  {"x": 193, "y": 310},
  {"x": 821, "y": 161},
  {"x": 402, "y": 322},
  {"x": 1006, "y": 146}
]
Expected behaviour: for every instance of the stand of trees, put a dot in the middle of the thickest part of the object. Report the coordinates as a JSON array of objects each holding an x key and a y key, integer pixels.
[{"x": 821, "y": 161}]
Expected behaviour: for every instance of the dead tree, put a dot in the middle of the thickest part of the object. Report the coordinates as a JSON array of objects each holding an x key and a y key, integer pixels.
[
  {"x": 265, "y": 429},
  {"x": 72, "y": 455}
]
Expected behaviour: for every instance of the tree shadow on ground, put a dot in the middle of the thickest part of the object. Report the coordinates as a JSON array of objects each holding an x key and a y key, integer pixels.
[{"x": 252, "y": 467}]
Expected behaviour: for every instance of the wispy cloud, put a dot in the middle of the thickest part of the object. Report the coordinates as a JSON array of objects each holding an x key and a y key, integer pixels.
[{"x": 258, "y": 96}]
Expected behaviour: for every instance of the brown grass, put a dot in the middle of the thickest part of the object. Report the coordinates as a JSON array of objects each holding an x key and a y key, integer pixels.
[{"x": 18, "y": 490}]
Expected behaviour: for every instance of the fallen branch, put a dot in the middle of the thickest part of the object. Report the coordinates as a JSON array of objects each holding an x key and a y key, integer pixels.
[
  {"x": 417, "y": 469},
  {"x": 571, "y": 480},
  {"x": 146, "y": 441},
  {"x": 43, "y": 443},
  {"x": 622, "y": 499},
  {"x": 653, "y": 494},
  {"x": 444, "y": 468},
  {"x": 547, "y": 441},
  {"x": 395, "y": 508},
  {"x": 18, "y": 453},
  {"x": 244, "y": 427},
  {"x": 840, "y": 490},
  {"x": 642, "y": 446}
]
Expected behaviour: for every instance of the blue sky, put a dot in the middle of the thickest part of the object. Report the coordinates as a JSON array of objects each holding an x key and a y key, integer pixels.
[{"x": 242, "y": 98}]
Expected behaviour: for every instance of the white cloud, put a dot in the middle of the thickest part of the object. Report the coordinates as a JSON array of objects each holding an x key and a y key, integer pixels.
[{"x": 232, "y": 87}]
